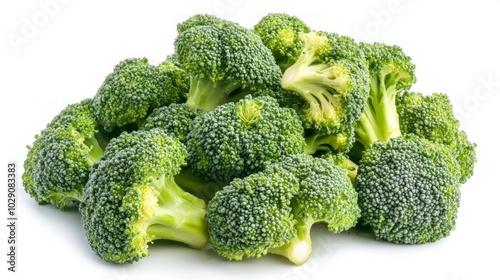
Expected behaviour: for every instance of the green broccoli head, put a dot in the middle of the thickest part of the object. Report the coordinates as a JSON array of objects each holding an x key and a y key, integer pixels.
[
  {"x": 177, "y": 80},
  {"x": 253, "y": 214},
  {"x": 132, "y": 90},
  {"x": 391, "y": 72},
  {"x": 238, "y": 139},
  {"x": 325, "y": 195},
  {"x": 131, "y": 198},
  {"x": 331, "y": 74},
  {"x": 408, "y": 190},
  {"x": 176, "y": 119},
  {"x": 280, "y": 33},
  {"x": 431, "y": 117},
  {"x": 272, "y": 211},
  {"x": 59, "y": 161},
  {"x": 224, "y": 64}
]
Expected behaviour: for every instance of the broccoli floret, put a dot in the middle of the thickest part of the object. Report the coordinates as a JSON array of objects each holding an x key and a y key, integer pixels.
[
  {"x": 331, "y": 74},
  {"x": 408, "y": 187},
  {"x": 224, "y": 64},
  {"x": 391, "y": 72},
  {"x": 408, "y": 190},
  {"x": 177, "y": 79},
  {"x": 253, "y": 214},
  {"x": 131, "y": 198},
  {"x": 432, "y": 118},
  {"x": 238, "y": 139},
  {"x": 280, "y": 33},
  {"x": 176, "y": 119},
  {"x": 326, "y": 195},
  {"x": 272, "y": 211},
  {"x": 133, "y": 90},
  {"x": 59, "y": 161}
]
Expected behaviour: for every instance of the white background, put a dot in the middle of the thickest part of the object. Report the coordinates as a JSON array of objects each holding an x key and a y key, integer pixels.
[{"x": 70, "y": 48}]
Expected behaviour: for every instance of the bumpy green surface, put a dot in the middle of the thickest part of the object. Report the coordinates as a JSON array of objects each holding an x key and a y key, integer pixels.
[
  {"x": 132, "y": 199},
  {"x": 431, "y": 117},
  {"x": 134, "y": 88},
  {"x": 238, "y": 139},
  {"x": 252, "y": 215},
  {"x": 408, "y": 190},
  {"x": 225, "y": 62},
  {"x": 176, "y": 119},
  {"x": 59, "y": 161}
]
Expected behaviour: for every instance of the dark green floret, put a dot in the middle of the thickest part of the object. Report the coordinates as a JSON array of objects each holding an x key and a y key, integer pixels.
[
  {"x": 175, "y": 119},
  {"x": 131, "y": 198},
  {"x": 272, "y": 211},
  {"x": 224, "y": 62},
  {"x": 280, "y": 33},
  {"x": 431, "y": 117},
  {"x": 59, "y": 161},
  {"x": 133, "y": 90},
  {"x": 408, "y": 190},
  {"x": 238, "y": 139},
  {"x": 177, "y": 80},
  {"x": 326, "y": 195},
  {"x": 253, "y": 214}
]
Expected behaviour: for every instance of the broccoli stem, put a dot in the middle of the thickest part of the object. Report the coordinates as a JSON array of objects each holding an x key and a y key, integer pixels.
[
  {"x": 380, "y": 121},
  {"x": 299, "y": 249},
  {"x": 207, "y": 94},
  {"x": 195, "y": 185},
  {"x": 317, "y": 89},
  {"x": 63, "y": 199},
  {"x": 95, "y": 152},
  {"x": 329, "y": 143},
  {"x": 179, "y": 216}
]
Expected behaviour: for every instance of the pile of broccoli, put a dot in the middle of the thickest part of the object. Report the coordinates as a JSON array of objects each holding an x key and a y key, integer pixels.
[{"x": 244, "y": 138}]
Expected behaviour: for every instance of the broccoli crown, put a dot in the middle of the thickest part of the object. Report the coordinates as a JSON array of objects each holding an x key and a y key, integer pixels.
[
  {"x": 280, "y": 33},
  {"x": 331, "y": 74},
  {"x": 326, "y": 193},
  {"x": 389, "y": 67},
  {"x": 131, "y": 198},
  {"x": 237, "y": 139},
  {"x": 224, "y": 64},
  {"x": 408, "y": 190},
  {"x": 177, "y": 80},
  {"x": 133, "y": 89},
  {"x": 251, "y": 215},
  {"x": 391, "y": 71},
  {"x": 202, "y": 20},
  {"x": 176, "y": 119},
  {"x": 272, "y": 211},
  {"x": 431, "y": 117},
  {"x": 59, "y": 161}
]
